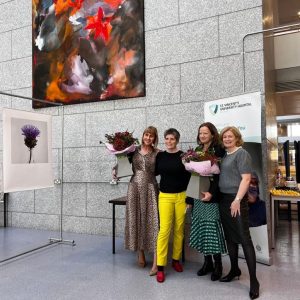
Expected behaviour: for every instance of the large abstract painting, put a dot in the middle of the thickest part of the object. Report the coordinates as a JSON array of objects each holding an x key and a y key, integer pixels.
[
  {"x": 27, "y": 150},
  {"x": 88, "y": 50}
]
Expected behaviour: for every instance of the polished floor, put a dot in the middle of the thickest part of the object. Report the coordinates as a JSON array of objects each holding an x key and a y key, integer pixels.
[{"x": 90, "y": 271}]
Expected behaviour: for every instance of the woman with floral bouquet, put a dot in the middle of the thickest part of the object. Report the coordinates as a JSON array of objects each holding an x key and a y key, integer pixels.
[
  {"x": 206, "y": 230},
  {"x": 141, "y": 224}
]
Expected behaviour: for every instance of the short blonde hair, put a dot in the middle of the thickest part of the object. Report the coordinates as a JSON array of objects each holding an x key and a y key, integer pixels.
[{"x": 235, "y": 132}]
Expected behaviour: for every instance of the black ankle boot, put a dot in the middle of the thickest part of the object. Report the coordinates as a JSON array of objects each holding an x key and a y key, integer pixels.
[
  {"x": 254, "y": 289},
  {"x": 231, "y": 275},
  {"x": 217, "y": 273},
  {"x": 207, "y": 266}
]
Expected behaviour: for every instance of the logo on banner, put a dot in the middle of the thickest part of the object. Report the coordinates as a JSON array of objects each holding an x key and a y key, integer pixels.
[{"x": 213, "y": 109}]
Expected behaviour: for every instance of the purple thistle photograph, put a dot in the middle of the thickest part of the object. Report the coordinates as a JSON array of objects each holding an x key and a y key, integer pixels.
[{"x": 30, "y": 133}]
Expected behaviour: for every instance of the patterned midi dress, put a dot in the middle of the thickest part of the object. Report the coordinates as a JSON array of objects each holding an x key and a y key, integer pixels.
[
  {"x": 207, "y": 234},
  {"x": 141, "y": 224},
  {"x": 206, "y": 230}
]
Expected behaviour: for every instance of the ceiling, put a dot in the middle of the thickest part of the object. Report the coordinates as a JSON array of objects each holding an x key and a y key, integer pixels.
[
  {"x": 288, "y": 103},
  {"x": 287, "y": 11},
  {"x": 288, "y": 80}
]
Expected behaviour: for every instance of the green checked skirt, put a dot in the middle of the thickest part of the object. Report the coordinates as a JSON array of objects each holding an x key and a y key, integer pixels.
[{"x": 206, "y": 230}]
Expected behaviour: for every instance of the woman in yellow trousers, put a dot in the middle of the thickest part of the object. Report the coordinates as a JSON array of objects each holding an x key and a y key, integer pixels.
[{"x": 171, "y": 202}]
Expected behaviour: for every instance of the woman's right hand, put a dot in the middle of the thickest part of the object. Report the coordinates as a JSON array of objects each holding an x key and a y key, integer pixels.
[{"x": 235, "y": 208}]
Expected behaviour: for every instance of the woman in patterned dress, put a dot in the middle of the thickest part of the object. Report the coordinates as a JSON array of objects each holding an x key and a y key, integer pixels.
[
  {"x": 141, "y": 225},
  {"x": 206, "y": 229}
]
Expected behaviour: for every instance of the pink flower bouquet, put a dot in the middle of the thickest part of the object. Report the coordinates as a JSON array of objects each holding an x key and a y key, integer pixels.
[
  {"x": 203, "y": 168},
  {"x": 200, "y": 162}
]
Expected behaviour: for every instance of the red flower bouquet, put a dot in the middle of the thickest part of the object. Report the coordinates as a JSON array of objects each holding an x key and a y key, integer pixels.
[{"x": 121, "y": 142}]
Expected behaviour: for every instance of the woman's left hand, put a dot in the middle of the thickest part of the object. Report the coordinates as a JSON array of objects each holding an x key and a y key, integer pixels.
[
  {"x": 206, "y": 196},
  {"x": 235, "y": 208}
]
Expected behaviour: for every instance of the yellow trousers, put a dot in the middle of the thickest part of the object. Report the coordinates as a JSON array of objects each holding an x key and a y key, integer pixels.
[{"x": 172, "y": 208}]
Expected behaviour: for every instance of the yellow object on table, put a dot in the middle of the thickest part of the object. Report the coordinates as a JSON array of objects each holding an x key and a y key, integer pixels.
[{"x": 279, "y": 192}]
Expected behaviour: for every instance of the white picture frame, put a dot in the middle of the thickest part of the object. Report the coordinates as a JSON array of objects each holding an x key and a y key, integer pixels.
[{"x": 18, "y": 173}]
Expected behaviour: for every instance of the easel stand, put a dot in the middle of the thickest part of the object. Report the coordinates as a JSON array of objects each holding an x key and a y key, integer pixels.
[{"x": 52, "y": 241}]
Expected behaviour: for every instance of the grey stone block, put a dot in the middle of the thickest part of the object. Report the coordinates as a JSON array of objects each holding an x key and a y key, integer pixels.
[
  {"x": 56, "y": 132},
  {"x": 74, "y": 130},
  {"x": 162, "y": 87},
  {"x": 87, "y": 225},
  {"x": 5, "y": 101},
  {"x": 87, "y": 171},
  {"x": 226, "y": 6},
  {"x": 211, "y": 79},
  {"x": 185, "y": 118},
  {"x": 233, "y": 27},
  {"x": 21, "y": 201},
  {"x": 47, "y": 201},
  {"x": 7, "y": 16},
  {"x": 74, "y": 200},
  {"x": 190, "y": 10},
  {"x": 160, "y": 13},
  {"x": 101, "y": 123},
  {"x": 182, "y": 43},
  {"x": 22, "y": 104},
  {"x": 21, "y": 42},
  {"x": 254, "y": 67},
  {"x": 22, "y": 14},
  {"x": 36, "y": 221},
  {"x": 89, "y": 107},
  {"x": 91, "y": 154},
  {"x": 5, "y": 45},
  {"x": 16, "y": 74},
  {"x": 98, "y": 195}
]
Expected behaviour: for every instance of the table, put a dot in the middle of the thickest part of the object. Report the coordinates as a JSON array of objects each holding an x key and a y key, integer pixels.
[
  {"x": 274, "y": 217},
  {"x": 114, "y": 202},
  {"x": 4, "y": 201}
]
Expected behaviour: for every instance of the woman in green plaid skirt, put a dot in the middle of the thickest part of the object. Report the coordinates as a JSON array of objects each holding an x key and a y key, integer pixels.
[{"x": 206, "y": 230}]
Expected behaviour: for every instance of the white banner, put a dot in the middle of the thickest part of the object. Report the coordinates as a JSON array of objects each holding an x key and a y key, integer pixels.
[
  {"x": 243, "y": 112},
  {"x": 27, "y": 151}
]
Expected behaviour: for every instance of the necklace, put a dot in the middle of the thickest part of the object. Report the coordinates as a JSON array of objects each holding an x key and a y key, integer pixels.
[{"x": 236, "y": 149}]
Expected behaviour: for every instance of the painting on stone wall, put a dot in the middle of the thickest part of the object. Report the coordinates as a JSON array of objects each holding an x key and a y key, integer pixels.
[
  {"x": 88, "y": 50},
  {"x": 27, "y": 150}
]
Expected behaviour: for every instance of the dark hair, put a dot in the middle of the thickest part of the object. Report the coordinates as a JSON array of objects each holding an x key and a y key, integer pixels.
[
  {"x": 214, "y": 132},
  {"x": 152, "y": 130},
  {"x": 174, "y": 132}
]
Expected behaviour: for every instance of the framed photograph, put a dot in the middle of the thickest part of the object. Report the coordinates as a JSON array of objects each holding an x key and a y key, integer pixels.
[
  {"x": 87, "y": 51},
  {"x": 27, "y": 151}
]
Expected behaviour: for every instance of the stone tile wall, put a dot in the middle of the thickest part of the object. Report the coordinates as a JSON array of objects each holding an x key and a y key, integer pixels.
[{"x": 193, "y": 55}]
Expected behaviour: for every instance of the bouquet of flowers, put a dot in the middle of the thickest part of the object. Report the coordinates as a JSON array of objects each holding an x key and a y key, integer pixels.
[
  {"x": 121, "y": 142},
  {"x": 201, "y": 162}
]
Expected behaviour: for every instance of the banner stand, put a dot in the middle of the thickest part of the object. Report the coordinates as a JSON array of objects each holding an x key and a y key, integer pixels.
[{"x": 52, "y": 240}]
